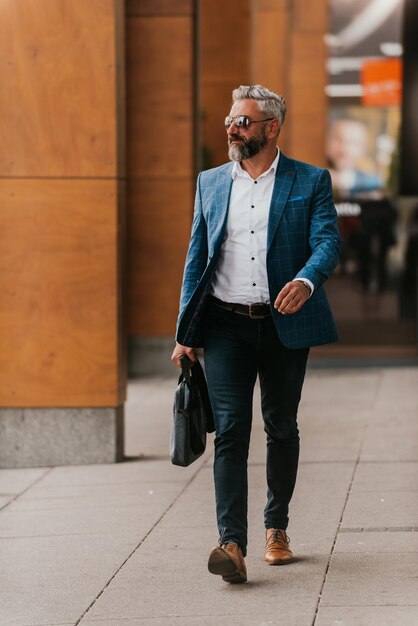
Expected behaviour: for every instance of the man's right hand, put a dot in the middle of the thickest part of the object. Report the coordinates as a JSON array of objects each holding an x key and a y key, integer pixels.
[{"x": 180, "y": 351}]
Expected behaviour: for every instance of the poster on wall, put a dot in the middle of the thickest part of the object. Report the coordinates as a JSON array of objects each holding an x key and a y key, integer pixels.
[{"x": 361, "y": 150}]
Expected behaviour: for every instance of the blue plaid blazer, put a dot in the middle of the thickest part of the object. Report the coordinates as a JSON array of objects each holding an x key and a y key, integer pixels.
[{"x": 302, "y": 241}]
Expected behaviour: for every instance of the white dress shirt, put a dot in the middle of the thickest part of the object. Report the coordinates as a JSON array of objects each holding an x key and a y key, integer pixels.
[{"x": 241, "y": 274}]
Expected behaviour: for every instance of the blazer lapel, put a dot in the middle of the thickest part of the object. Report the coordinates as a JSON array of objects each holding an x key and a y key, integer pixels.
[
  {"x": 222, "y": 194},
  {"x": 285, "y": 177}
]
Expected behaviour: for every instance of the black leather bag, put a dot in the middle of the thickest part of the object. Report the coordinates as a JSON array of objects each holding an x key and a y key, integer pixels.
[{"x": 192, "y": 415}]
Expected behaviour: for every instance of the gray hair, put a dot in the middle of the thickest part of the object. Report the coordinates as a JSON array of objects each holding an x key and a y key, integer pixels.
[{"x": 269, "y": 102}]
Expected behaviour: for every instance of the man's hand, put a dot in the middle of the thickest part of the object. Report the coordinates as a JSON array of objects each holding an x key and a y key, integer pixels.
[
  {"x": 179, "y": 351},
  {"x": 292, "y": 297}
]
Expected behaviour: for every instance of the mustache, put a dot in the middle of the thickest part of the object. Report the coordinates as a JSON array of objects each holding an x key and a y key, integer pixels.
[{"x": 237, "y": 138}]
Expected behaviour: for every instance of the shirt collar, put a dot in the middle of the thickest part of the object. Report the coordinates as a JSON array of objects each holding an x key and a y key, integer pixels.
[{"x": 237, "y": 169}]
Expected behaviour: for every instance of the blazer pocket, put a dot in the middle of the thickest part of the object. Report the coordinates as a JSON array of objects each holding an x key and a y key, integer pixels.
[{"x": 296, "y": 205}]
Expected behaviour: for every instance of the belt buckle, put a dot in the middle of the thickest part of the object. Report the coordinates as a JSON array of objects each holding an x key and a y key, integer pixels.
[{"x": 252, "y": 315}]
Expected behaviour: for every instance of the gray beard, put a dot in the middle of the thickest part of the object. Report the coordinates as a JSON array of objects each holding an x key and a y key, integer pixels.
[{"x": 240, "y": 152}]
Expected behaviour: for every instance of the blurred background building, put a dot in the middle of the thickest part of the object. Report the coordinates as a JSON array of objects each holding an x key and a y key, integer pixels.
[{"x": 108, "y": 109}]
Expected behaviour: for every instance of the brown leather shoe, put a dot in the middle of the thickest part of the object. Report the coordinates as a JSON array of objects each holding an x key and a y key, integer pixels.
[
  {"x": 277, "y": 547},
  {"x": 227, "y": 561}
]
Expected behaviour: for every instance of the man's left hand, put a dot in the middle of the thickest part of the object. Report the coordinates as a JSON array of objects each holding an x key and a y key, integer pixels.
[{"x": 292, "y": 297}]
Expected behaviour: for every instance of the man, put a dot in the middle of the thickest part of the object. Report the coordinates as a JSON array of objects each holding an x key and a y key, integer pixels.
[{"x": 263, "y": 241}]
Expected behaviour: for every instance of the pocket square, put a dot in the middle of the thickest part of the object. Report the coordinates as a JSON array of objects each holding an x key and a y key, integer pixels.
[{"x": 295, "y": 198}]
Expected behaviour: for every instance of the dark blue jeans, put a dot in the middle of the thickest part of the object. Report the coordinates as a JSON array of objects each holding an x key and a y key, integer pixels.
[{"x": 236, "y": 349}]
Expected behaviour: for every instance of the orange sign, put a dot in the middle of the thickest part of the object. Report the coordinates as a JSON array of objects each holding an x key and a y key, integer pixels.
[{"x": 381, "y": 82}]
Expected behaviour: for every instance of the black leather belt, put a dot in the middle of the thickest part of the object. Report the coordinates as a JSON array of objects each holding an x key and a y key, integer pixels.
[{"x": 257, "y": 311}]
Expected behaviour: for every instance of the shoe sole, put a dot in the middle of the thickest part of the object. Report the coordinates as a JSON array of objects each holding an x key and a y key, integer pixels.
[{"x": 221, "y": 565}]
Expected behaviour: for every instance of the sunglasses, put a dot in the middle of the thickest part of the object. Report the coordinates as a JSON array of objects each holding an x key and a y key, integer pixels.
[{"x": 242, "y": 121}]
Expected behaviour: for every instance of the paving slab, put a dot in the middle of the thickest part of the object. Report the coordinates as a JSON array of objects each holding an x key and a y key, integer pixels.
[
  {"x": 371, "y": 574},
  {"x": 349, "y": 387},
  {"x": 131, "y": 540},
  {"x": 141, "y": 470},
  {"x": 102, "y": 515},
  {"x": 367, "y": 616},
  {"x": 50, "y": 624},
  {"x": 393, "y": 541},
  {"x": 332, "y": 434},
  {"x": 391, "y": 436},
  {"x": 195, "y": 510},
  {"x": 54, "y": 579},
  {"x": 14, "y": 481},
  {"x": 383, "y": 509},
  {"x": 398, "y": 389},
  {"x": 318, "y": 503},
  {"x": 383, "y": 495},
  {"x": 4, "y": 501},
  {"x": 376, "y": 477},
  {"x": 114, "y": 497},
  {"x": 362, "y": 581},
  {"x": 288, "y": 616},
  {"x": 127, "y": 518},
  {"x": 146, "y": 400}
]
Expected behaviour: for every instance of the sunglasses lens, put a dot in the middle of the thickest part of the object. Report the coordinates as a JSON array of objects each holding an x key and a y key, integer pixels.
[{"x": 242, "y": 121}]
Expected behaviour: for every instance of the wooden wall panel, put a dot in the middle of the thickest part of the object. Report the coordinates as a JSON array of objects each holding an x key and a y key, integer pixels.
[
  {"x": 224, "y": 64},
  {"x": 153, "y": 8},
  {"x": 270, "y": 26},
  {"x": 58, "y": 63},
  {"x": 270, "y": 54},
  {"x": 309, "y": 17},
  {"x": 161, "y": 138},
  {"x": 215, "y": 105},
  {"x": 289, "y": 56},
  {"x": 223, "y": 40},
  {"x": 59, "y": 286},
  {"x": 159, "y": 230},
  {"x": 307, "y": 82},
  {"x": 61, "y": 198},
  {"x": 160, "y": 100}
]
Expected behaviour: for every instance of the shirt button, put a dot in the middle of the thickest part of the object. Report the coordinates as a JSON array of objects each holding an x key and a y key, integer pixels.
[
  {"x": 252, "y": 258},
  {"x": 252, "y": 206},
  {"x": 252, "y": 232},
  {"x": 255, "y": 182},
  {"x": 253, "y": 284}
]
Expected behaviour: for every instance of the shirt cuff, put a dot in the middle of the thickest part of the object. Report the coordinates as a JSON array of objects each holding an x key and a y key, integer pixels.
[{"x": 306, "y": 280}]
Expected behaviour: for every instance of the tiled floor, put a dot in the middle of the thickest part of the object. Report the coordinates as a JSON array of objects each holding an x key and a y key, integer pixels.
[{"x": 127, "y": 544}]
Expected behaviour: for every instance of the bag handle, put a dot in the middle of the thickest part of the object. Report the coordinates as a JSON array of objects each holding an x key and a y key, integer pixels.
[{"x": 185, "y": 367}]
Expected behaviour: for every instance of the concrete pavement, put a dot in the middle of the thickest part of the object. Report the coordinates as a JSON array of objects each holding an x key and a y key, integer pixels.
[{"x": 127, "y": 544}]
